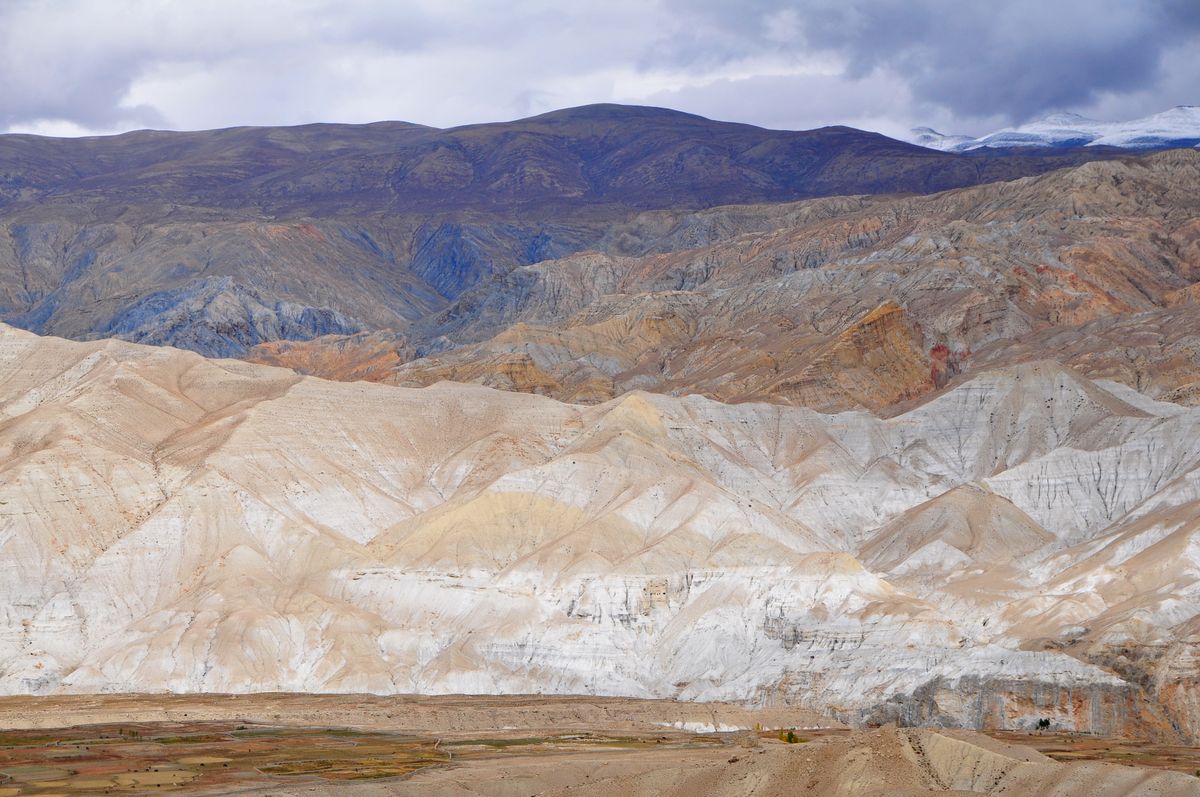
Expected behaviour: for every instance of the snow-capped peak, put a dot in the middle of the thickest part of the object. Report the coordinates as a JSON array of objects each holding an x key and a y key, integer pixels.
[
  {"x": 1066, "y": 119},
  {"x": 1176, "y": 127},
  {"x": 928, "y": 137}
]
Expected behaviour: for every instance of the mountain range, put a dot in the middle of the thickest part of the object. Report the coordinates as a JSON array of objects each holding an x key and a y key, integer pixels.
[
  {"x": 1177, "y": 127},
  {"x": 844, "y": 303},
  {"x": 613, "y": 401},
  {"x": 217, "y": 241}
]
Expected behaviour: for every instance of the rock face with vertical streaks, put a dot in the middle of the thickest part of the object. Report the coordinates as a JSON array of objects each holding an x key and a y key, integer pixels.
[{"x": 1022, "y": 546}]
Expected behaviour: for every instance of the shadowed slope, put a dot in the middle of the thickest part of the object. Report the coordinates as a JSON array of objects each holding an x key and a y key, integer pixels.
[{"x": 220, "y": 240}]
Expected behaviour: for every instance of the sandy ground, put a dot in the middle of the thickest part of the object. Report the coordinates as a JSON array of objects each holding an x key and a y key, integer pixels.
[
  {"x": 520, "y": 746},
  {"x": 439, "y": 716},
  {"x": 900, "y": 763}
]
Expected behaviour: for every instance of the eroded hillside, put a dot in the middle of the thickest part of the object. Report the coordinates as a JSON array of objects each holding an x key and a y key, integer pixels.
[
  {"x": 1021, "y": 547},
  {"x": 861, "y": 302}
]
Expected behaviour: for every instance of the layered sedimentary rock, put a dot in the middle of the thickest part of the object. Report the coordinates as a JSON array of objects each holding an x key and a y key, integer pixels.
[
  {"x": 1020, "y": 547},
  {"x": 838, "y": 303}
]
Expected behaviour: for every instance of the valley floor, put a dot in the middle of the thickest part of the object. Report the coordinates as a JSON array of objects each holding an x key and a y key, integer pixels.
[{"x": 366, "y": 746}]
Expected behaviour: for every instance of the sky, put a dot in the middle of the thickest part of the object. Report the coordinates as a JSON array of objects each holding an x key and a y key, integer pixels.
[{"x": 80, "y": 67}]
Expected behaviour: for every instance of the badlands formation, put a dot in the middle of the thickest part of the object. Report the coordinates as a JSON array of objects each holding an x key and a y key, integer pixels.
[
  {"x": 835, "y": 304},
  {"x": 1021, "y": 546}
]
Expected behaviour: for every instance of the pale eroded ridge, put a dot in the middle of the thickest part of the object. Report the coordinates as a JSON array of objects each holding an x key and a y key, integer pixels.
[{"x": 1022, "y": 546}]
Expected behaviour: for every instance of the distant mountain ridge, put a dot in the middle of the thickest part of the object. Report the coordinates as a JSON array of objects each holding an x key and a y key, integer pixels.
[
  {"x": 627, "y": 156},
  {"x": 220, "y": 240},
  {"x": 1177, "y": 127}
]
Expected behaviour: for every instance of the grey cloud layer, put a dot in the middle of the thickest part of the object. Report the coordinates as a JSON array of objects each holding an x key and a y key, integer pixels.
[
  {"x": 1020, "y": 58},
  {"x": 102, "y": 65}
]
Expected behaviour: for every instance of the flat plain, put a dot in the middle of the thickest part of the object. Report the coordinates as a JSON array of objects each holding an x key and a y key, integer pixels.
[{"x": 284, "y": 744}]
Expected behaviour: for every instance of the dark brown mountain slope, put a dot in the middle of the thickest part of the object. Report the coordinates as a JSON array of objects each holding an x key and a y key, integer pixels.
[{"x": 219, "y": 240}]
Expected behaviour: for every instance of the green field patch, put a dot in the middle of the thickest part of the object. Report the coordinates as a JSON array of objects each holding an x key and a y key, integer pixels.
[
  {"x": 31, "y": 773},
  {"x": 210, "y": 738},
  {"x": 26, "y": 740},
  {"x": 202, "y": 760},
  {"x": 296, "y": 768},
  {"x": 501, "y": 743},
  {"x": 254, "y": 733},
  {"x": 370, "y": 774}
]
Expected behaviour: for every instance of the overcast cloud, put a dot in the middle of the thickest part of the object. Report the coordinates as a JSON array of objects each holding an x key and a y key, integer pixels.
[{"x": 72, "y": 67}]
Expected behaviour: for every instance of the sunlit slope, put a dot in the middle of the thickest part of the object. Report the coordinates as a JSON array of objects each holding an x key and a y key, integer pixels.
[{"x": 1023, "y": 546}]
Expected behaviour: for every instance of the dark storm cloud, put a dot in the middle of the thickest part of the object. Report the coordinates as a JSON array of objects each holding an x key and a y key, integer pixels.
[
  {"x": 1016, "y": 59},
  {"x": 74, "y": 66},
  {"x": 1020, "y": 58}
]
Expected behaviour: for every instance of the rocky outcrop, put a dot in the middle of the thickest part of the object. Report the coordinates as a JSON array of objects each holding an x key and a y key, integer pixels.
[
  {"x": 221, "y": 318},
  {"x": 875, "y": 363},
  {"x": 211, "y": 285},
  {"x": 369, "y": 356},
  {"x": 1102, "y": 709}
]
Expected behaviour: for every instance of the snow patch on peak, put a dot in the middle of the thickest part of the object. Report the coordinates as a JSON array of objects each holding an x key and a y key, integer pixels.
[
  {"x": 1175, "y": 127},
  {"x": 928, "y": 137},
  {"x": 1065, "y": 118}
]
